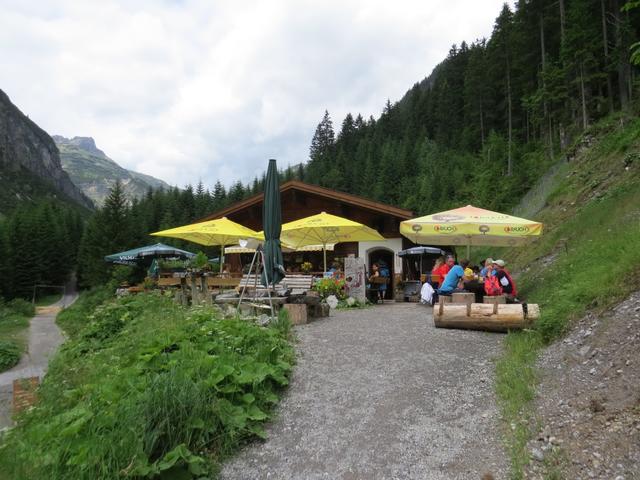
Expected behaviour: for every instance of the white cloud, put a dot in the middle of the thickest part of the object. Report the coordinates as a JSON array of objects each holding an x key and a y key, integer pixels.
[{"x": 197, "y": 89}]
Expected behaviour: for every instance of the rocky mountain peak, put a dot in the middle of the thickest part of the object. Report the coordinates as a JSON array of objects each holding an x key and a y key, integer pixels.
[{"x": 85, "y": 143}]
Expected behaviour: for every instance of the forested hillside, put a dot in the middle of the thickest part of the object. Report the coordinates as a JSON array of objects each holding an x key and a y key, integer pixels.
[{"x": 493, "y": 115}]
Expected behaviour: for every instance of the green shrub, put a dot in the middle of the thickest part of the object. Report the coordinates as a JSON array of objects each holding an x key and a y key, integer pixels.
[
  {"x": 21, "y": 307},
  {"x": 9, "y": 354},
  {"x": 148, "y": 388},
  {"x": 122, "y": 274},
  {"x": 75, "y": 317}
]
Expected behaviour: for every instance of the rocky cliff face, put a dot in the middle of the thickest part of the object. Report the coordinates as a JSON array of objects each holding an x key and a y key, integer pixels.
[
  {"x": 95, "y": 173},
  {"x": 24, "y": 145}
]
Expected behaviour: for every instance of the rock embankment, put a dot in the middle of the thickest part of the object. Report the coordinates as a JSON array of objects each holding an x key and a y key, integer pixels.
[{"x": 589, "y": 399}]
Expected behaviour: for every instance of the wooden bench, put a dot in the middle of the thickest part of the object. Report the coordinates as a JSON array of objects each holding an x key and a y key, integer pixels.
[
  {"x": 164, "y": 282},
  {"x": 482, "y": 316},
  {"x": 298, "y": 284}
]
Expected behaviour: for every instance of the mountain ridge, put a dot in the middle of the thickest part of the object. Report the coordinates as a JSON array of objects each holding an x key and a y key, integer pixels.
[{"x": 94, "y": 172}]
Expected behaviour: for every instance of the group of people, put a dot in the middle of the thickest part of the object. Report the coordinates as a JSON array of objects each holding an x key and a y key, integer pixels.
[{"x": 491, "y": 279}]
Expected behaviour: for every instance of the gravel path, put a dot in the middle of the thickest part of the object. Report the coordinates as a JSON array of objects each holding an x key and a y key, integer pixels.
[
  {"x": 380, "y": 393},
  {"x": 44, "y": 339}
]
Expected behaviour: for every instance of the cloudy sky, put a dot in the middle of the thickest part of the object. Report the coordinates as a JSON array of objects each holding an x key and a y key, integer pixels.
[{"x": 201, "y": 89}]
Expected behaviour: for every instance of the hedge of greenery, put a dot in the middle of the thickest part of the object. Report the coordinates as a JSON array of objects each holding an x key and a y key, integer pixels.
[{"x": 149, "y": 389}]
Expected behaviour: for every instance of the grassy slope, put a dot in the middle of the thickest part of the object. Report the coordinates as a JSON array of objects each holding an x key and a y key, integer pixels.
[
  {"x": 145, "y": 388},
  {"x": 588, "y": 258}
]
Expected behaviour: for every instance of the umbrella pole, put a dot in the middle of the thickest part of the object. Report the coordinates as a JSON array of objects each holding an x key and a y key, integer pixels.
[
  {"x": 324, "y": 253},
  {"x": 468, "y": 247}
]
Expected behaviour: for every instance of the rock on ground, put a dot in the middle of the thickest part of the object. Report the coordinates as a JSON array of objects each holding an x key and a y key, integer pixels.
[
  {"x": 589, "y": 399},
  {"x": 379, "y": 393}
]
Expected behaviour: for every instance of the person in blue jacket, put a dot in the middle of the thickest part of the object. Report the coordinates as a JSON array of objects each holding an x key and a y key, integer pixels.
[{"x": 452, "y": 282}]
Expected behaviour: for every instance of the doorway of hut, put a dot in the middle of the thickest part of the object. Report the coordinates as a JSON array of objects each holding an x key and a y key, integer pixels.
[{"x": 383, "y": 256}]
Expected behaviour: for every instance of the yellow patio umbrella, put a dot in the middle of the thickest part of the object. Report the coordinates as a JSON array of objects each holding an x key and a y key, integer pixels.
[
  {"x": 219, "y": 232},
  {"x": 324, "y": 229},
  {"x": 470, "y": 226}
]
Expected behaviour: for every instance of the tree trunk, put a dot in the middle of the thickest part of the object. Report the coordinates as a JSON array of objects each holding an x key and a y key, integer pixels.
[
  {"x": 545, "y": 108},
  {"x": 605, "y": 43},
  {"x": 622, "y": 70},
  {"x": 561, "y": 5},
  {"x": 584, "y": 98},
  {"x": 481, "y": 126},
  {"x": 509, "y": 161}
]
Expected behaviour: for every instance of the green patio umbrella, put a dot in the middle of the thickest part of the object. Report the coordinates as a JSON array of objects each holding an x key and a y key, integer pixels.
[
  {"x": 132, "y": 257},
  {"x": 273, "y": 270}
]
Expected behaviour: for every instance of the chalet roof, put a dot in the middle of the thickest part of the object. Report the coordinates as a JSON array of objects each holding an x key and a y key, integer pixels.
[{"x": 334, "y": 195}]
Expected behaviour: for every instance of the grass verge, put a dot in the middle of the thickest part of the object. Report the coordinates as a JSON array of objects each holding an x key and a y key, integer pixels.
[
  {"x": 589, "y": 258},
  {"x": 49, "y": 299},
  {"x": 14, "y": 321},
  {"x": 145, "y": 388}
]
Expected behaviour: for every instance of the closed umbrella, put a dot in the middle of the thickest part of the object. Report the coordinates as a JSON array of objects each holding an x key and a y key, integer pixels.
[
  {"x": 273, "y": 271},
  {"x": 325, "y": 229},
  {"x": 470, "y": 226}
]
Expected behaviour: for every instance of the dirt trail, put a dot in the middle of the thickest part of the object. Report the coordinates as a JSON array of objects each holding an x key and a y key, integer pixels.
[{"x": 379, "y": 393}]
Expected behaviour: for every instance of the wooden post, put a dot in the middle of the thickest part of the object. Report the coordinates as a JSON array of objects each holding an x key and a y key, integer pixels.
[
  {"x": 297, "y": 313},
  {"x": 185, "y": 293},
  {"x": 206, "y": 295},
  {"x": 195, "y": 297}
]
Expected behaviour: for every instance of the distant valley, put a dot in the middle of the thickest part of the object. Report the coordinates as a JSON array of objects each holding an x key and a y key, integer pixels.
[{"x": 94, "y": 172}]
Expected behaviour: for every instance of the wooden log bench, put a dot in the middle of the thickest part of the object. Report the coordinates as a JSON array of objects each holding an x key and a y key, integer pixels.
[
  {"x": 442, "y": 299},
  {"x": 485, "y": 316},
  {"x": 463, "y": 297},
  {"x": 494, "y": 299}
]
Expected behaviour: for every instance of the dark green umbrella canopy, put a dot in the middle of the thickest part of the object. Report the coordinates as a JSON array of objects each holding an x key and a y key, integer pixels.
[
  {"x": 272, "y": 224},
  {"x": 131, "y": 257}
]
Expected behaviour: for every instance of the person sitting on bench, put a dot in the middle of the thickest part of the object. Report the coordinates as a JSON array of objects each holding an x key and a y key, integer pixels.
[
  {"x": 453, "y": 282},
  {"x": 506, "y": 282}
]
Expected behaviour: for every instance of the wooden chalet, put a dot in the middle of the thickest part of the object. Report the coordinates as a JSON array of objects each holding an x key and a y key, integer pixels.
[{"x": 301, "y": 200}]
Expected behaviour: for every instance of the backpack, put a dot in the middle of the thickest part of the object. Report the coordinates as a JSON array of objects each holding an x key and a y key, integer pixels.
[{"x": 492, "y": 286}]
